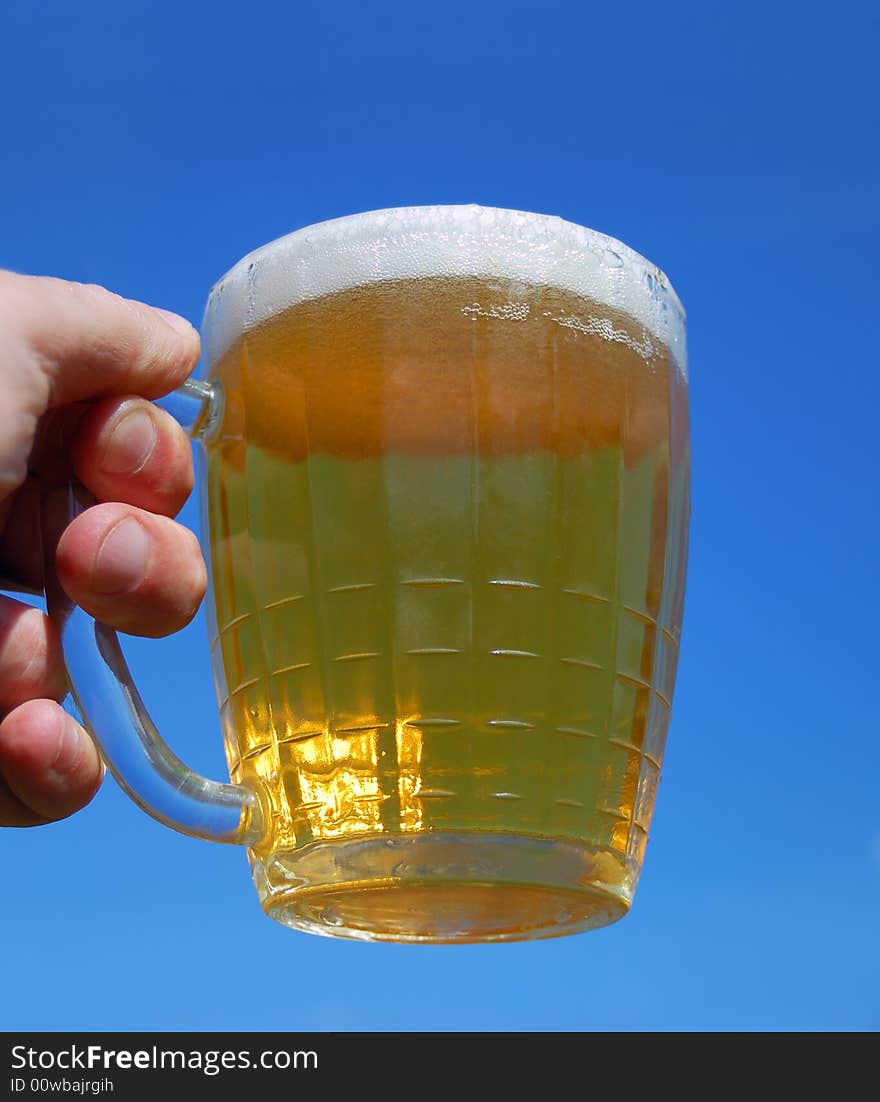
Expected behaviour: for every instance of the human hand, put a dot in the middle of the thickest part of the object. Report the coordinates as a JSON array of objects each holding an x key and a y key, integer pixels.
[{"x": 77, "y": 365}]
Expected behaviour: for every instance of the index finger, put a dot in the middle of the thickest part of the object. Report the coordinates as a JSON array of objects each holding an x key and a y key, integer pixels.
[{"x": 89, "y": 342}]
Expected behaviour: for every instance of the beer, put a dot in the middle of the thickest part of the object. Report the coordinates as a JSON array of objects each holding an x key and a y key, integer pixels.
[{"x": 448, "y": 521}]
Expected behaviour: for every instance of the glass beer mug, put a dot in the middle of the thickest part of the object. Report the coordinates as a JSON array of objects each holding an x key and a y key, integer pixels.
[{"x": 445, "y": 507}]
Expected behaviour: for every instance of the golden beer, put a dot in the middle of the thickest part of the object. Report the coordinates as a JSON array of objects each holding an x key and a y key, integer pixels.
[{"x": 448, "y": 521}]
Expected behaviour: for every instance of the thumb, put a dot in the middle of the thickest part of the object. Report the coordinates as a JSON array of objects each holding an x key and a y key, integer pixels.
[
  {"x": 88, "y": 342},
  {"x": 66, "y": 342}
]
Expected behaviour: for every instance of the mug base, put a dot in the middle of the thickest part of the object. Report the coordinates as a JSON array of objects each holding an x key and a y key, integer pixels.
[{"x": 445, "y": 888}]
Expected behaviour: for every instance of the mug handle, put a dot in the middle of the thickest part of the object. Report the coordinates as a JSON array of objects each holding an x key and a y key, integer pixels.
[{"x": 110, "y": 705}]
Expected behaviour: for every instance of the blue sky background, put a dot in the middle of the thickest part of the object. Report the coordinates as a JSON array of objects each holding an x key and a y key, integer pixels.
[{"x": 147, "y": 146}]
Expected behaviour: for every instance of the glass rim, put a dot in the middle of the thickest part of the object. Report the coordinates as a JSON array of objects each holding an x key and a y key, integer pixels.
[{"x": 448, "y": 214}]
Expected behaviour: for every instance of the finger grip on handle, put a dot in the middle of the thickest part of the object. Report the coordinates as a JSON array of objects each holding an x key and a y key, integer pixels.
[{"x": 116, "y": 717}]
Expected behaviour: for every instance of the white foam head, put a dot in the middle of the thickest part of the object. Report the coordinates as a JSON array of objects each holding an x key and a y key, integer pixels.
[{"x": 419, "y": 242}]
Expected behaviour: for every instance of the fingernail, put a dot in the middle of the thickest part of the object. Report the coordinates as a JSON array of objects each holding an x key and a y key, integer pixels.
[
  {"x": 179, "y": 324},
  {"x": 130, "y": 445},
  {"x": 73, "y": 742},
  {"x": 121, "y": 562}
]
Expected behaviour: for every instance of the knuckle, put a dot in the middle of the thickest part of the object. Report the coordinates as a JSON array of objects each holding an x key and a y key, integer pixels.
[
  {"x": 85, "y": 296},
  {"x": 21, "y": 302}
]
